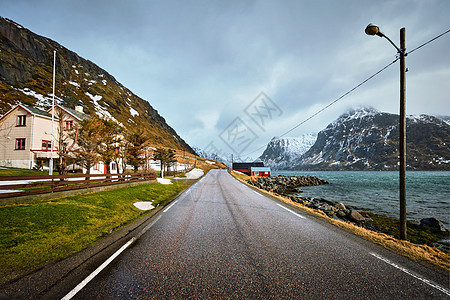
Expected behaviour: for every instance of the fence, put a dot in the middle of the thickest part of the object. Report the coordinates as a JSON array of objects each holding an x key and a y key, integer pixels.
[
  {"x": 30, "y": 185},
  {"x": 177, "y": 172}
]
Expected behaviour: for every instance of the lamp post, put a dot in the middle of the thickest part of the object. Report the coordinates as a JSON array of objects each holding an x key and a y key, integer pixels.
[{"x": 373, "y": 29}]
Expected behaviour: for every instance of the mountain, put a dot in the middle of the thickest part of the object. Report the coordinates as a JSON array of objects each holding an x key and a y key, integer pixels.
[
  {"x": 282, "y": 153},
  {"x": 367, "y": 139},
  {"x": 213, "y": 156},
  {"x": 26, "y": 72},
  {"x": 223, "y": 157}
]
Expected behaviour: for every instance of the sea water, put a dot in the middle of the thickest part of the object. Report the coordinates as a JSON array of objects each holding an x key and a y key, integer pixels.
[{"x": 427, "y": 192}]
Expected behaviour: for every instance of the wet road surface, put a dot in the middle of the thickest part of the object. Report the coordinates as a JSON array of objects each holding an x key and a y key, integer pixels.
[{"x": 221, "y": 239}]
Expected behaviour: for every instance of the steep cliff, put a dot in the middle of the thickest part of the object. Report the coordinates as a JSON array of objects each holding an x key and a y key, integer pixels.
[{"x": 26, "y": 71}]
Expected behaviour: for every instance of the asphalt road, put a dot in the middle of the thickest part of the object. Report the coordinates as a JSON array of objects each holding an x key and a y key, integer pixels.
[{"x": 222, "y": 239}]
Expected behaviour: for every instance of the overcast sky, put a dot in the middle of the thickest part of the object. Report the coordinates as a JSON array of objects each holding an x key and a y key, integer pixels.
[{"x": 214, "y": 69}]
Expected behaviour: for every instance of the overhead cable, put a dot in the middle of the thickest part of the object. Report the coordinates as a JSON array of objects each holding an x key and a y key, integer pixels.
[
  {"x": 353, "y": 89},
  {"x": 433, "y": 39}
]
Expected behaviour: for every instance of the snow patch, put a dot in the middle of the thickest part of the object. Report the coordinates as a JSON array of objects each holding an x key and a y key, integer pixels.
[
  {"x": 133, "y": 112},
  {"x": 194, "y": 174},
  {"x": 95, "y": 98},
  {"x": 163, "y": 181},
  {"x": 74, "y": 83},
  {"x": 100, "y": 110},
  {"x": 144, "y": 205},
  {"x": 43, "y": 101}
]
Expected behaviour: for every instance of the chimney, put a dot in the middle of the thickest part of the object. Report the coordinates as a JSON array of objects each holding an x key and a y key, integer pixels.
[{"x": 79, "y": 109}]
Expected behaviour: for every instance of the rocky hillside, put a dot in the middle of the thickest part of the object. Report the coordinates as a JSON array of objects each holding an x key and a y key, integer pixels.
[
  {"x": 26, "y": 68},
  {"x": 282, "y": 153},
  {"x": 367, "y": 139}
]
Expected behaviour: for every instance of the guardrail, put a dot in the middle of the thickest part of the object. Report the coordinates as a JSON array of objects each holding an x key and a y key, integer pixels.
[{"x": 30, "y": 185}]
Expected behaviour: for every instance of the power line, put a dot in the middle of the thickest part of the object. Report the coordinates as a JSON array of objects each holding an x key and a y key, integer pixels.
[
  {"x": 327, "y": 106},
  {"x": 433, "y": 39},
  {"x": 353, "y": 89},
  {"x": 347, "y": 93}
]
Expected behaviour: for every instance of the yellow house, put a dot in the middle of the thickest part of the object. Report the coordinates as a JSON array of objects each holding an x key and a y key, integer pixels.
[{"x": 26, "y": 134}]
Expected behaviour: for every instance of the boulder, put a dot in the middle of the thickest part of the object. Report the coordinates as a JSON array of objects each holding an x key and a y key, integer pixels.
[
  {"x": 355, "y": 216},
  {"x": 340, "y": 206},
  {"x": 433, "y": 223},
  {"x": 341, "y": 214}
]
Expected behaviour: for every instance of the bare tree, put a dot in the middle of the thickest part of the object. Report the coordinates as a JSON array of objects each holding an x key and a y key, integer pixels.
[
  {"x": 65, "y": 139},
  {"x": 120, "y": 153},
  {"x": 88, "y": 142},
  {"x": 110, "y": 131}
]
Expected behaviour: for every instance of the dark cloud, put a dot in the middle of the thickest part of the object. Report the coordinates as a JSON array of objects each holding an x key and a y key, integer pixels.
[{"x": 206, "y": 60}]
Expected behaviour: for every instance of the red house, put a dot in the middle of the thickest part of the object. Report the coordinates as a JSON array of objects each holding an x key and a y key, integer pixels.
[
  {"x": 260, "y": 171},
  {"x": 246, "y": 167}
]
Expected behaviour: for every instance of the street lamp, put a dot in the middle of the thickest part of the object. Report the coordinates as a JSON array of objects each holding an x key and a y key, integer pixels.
[{"x": 373, "y": 29}]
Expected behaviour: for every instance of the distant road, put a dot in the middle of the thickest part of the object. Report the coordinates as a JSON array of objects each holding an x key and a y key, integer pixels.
[{"x": 221, "y": 239}]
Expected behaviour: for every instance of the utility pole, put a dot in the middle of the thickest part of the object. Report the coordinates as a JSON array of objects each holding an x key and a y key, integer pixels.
[
  {"x": 402, "y": 136},
  {"x": 373, "y": 29}
]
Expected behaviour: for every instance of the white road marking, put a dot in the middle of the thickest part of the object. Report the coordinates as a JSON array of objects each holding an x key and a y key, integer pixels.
[
  {"x": 170, "y": 206},
  {"x": 432, "y": 284},
  {"x": 256, "y": 193},
  {"x": 293, "y": 212},
  {"x": 82, "y": 284}
]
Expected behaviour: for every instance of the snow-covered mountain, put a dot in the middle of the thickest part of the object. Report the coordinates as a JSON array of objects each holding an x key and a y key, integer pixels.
[
  {"x": 282, "y": 153},
  {"x": 366, "y": 139},
  {"x": 213, "y": 156},
  {"x": 225, "y": 158}
]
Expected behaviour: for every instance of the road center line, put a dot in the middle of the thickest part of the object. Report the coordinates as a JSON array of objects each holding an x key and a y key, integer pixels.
[
  {"x": 432, "y": 284},
  {"x": 293, "y": 212},
  {"x": 170, "y": 206}
]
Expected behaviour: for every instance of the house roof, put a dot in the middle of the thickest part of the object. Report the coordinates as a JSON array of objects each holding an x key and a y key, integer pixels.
[
  {"x": 35, "y": 111},
  {"x": 260, "y": 169},
  {"x": 31, "y": 110},
  {"x": 247, "y": 165},
  {"x": 78, "y": 115}
]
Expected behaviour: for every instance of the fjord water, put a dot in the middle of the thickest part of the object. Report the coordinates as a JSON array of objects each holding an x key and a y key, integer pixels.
[{"x": 427, "y": 192}]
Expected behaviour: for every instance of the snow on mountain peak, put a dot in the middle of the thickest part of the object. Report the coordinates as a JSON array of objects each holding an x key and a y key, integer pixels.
[
  {"x": 355, "y": 113},
  {"x": 281, "y": 152}
]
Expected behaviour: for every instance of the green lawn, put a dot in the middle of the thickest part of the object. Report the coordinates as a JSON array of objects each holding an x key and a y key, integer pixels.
[
  {"x": 32, "y": 235},
  {"x": 23, "y": 172}
]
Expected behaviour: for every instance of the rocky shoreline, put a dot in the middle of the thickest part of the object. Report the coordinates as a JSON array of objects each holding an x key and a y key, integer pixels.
[
  {"x": 289, "y": 185},
  {"x": 429, "y": 231},
  {"x": 285, "y": 185}
]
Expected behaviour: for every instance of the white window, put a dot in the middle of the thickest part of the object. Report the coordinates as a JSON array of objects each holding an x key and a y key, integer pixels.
[
  {"x": 20, "y": 144},
  {"x": 46, "y": 145},
  {"x": 69, "y": 125},
  {"x": 21, "y": 120}
]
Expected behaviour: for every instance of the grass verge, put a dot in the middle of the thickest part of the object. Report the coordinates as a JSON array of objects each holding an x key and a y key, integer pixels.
[
  {"x": 34, "y": 234},
  {"x": 420, "y": 253},
  {"x": 22, "y": 172}
]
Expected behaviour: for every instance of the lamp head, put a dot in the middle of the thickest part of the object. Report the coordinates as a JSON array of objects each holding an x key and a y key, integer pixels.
[{"x": 373, "y": 29}]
